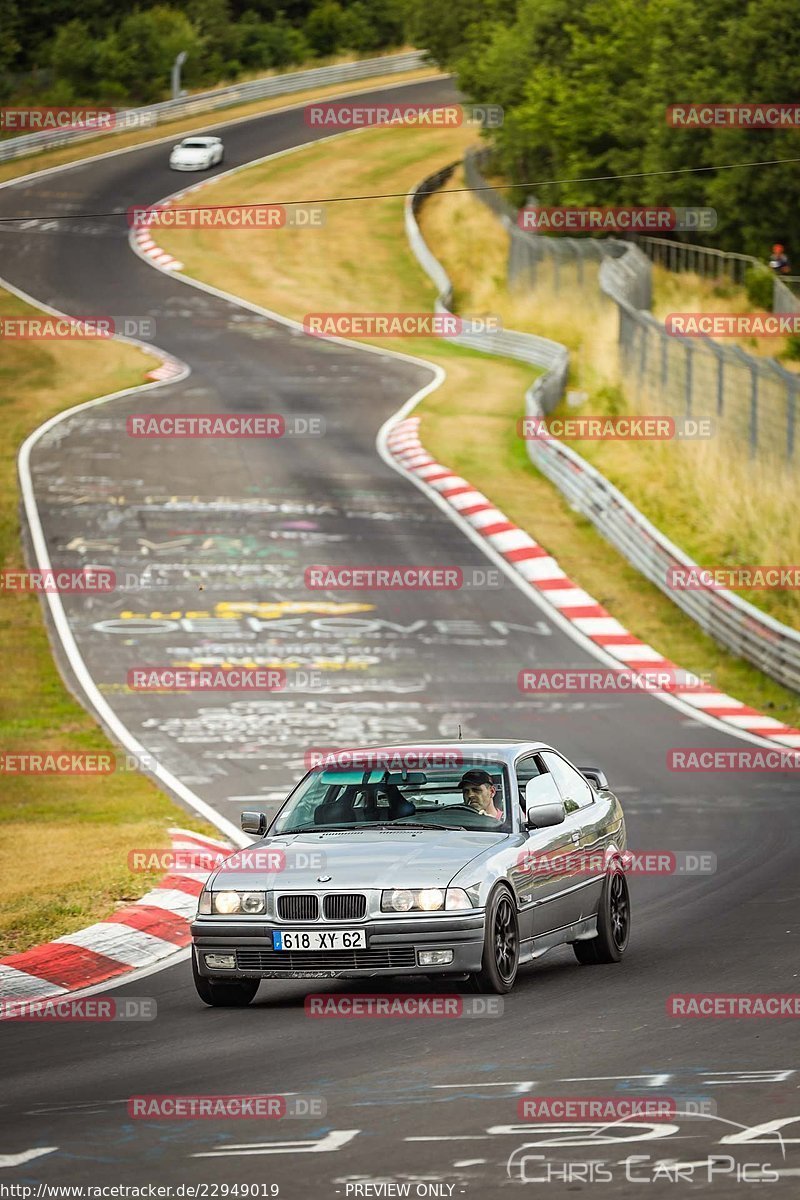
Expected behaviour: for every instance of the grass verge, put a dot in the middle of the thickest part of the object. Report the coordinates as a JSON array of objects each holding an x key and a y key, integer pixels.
[
  {"x": 470, "y": 422},
  {"x": 721, "y": 508},
  {"x": 64, "y": 840}
]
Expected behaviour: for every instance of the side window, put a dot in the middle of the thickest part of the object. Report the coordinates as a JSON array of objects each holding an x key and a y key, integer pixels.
[
  {"x": 575, "y": 791},
  {"x": 526, "y": 768}
]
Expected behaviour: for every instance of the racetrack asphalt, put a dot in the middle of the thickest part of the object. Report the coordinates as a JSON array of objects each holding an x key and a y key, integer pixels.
[{"x": 234, "y": 524}]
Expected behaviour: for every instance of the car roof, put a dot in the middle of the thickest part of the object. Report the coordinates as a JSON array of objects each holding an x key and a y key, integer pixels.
[{"x": 198, "y": 138}]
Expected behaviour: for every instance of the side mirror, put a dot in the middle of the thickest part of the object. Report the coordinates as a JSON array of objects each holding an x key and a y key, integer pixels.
[
  {"x": 543, "y": 803},
  {"x": 253, "y": 822},
  {"x": 595, "y": 776}
]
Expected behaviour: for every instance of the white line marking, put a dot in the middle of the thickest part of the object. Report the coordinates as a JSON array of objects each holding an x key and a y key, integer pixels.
[{"x": 16, "y": 1160}]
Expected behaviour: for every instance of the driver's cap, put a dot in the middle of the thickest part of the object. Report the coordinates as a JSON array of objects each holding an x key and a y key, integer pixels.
[{"x": 475, "y": 778}]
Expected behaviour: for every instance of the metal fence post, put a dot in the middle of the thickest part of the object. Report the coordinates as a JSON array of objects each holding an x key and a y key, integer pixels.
[
  {"x": 791, "y": 407},
  {"x": 753, "y": 410},
  {"x": 689, "y": 353},
  {"x": 664, "y": 358}
]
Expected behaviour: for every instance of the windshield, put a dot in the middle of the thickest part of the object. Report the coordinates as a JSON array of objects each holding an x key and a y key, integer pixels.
[
  {"x": 194, "y": 145},
  {"x": 468, "y": 796}
]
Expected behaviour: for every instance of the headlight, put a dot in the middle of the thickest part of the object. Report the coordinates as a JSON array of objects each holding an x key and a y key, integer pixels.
[
  {"x": 399, "y": 900},
  {"x": 228, "y": 903},
  {"x": 423, "y": 899}
]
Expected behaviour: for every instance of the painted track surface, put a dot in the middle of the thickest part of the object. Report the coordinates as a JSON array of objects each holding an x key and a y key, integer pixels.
[{"x": 243, "y": 519}]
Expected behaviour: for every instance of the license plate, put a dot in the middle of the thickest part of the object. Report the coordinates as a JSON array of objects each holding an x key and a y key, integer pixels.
[{"x": 318, "y": 939}]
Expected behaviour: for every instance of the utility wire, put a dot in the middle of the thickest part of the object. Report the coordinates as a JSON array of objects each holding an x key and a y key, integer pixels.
[{"x": 489, "y": 187}]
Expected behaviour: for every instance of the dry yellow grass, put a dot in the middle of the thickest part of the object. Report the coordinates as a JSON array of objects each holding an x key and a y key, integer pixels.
[
  {"x": 691, "y": 293},
  {"x": 717, "y": 505}
]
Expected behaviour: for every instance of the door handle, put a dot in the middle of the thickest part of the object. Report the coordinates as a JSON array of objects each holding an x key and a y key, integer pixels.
[{"x": 576, "y": 837}]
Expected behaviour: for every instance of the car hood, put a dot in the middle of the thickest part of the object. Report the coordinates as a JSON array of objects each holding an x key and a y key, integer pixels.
[
  {"x": 360, "y": 859},
  {"x": 190, "y": 155}
]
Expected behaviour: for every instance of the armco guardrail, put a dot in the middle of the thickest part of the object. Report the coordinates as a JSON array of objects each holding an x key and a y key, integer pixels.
[
  {"x": 545, "y": 391},
  {"x": 237, "y": 93},
  {"x": 731, "y": 621},
  {"x": 751, "y": 401}
]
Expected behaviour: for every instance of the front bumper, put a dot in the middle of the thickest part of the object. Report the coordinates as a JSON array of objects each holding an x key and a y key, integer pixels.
[
  {"x": 392, "y": 949},
  {"x": 177, "y": 166}
]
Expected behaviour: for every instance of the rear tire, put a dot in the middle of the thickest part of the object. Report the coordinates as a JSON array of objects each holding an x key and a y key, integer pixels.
[
  {"x": 500, "y": 947},
  {"x": 613, "y": 924},
  {"x": 236, "y": 994}
]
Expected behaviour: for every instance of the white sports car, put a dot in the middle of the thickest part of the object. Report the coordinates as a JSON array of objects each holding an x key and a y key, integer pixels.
[{"x": 197, "y": 154}]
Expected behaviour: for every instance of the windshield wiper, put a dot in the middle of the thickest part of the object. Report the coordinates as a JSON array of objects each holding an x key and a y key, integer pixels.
[
  {"x": 346, "y": 825},
  {"x": 424, "y": 825}
]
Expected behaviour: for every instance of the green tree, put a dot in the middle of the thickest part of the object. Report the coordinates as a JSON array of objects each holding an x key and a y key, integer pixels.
[
  {"x": 446, "y": 30},
  {"x": 325, "y": 27},
  {"x": 140, "y": 54},
  {"x": 75, "y": 58},
  {"x": 221, "y": 39},
  {"x": 758, "y": 205}
]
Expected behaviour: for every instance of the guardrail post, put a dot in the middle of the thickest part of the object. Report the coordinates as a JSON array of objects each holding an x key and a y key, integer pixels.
[
  {"x": 791, "y": 406},
  {"x": 689, "y": 353},
  {"x": 753, "y": 410},
  {"x": 664, "y": 358},
  {"x": 720, "y": 378}
]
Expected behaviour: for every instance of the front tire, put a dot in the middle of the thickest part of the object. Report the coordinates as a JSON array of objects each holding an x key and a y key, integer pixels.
[
  {"x": 236, "y": 994},
  {"x": 613, "y": 924},
  {"x": 500, "y": 946}
]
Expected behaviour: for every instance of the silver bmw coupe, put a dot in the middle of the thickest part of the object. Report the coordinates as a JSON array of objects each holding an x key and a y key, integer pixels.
[{"x": 461, "y": 859}]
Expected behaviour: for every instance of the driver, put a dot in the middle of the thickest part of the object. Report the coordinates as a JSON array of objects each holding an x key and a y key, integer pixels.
[{"x": 479, "y": 793}]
